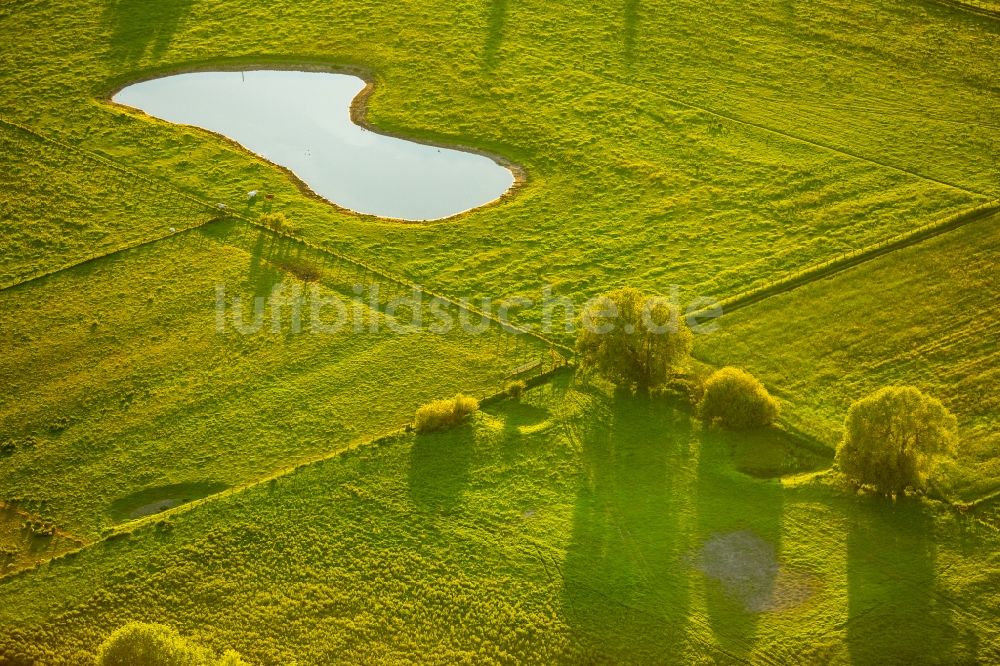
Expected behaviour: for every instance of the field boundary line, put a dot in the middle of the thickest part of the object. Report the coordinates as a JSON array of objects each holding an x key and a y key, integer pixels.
[
  {"x": 228, "y": 212},
  {"x": 106, "y": 161},
  {"x": 731, "y": 117},
  {"x": 971, "y": 8},
  {"x": 861, "y": 256},
  {"x": 106, "y": 255},
  {"x": 126, "y": 529},
  {"x": 505, "y": 326}
]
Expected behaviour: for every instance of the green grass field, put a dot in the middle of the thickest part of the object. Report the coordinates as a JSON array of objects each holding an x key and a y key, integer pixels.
[
  {"x": 572, "y": 527},
  {"x": 259, "y": 491},
  {"x": 928, "y": 324},
  {"x": 642, "y": 168},
  {"x": 117, "y": 373}
]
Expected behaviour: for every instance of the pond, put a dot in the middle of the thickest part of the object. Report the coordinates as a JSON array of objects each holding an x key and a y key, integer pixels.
[{"x": 302, "y": 121}]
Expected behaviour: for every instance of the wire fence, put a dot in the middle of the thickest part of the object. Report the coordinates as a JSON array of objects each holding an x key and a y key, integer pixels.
[
  {"x": 518, "y": 352},
  {"x": 847, "y": 260}
]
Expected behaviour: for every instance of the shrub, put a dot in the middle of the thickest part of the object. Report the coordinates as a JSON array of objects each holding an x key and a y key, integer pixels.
[
  {"x": 145, "y": 644},
  {"x": 277, "y": 222},
  {"x": 633, "y": 340},
  {"x": 8, "y": 554},
  {"x": 738, "y": 400},
  {"x": 39, "y": 527},
  {"x": 138, "y": 643},
  {"x": 517, "y": 388},
  {"x": 688, "y": 388},
  {"x": 443, "y": 414},
  {"x": 893, "y": 437}
]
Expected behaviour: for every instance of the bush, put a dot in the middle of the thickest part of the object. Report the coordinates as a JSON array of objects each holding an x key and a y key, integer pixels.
[
  {"x": 633, "y": 340},
  {"x": 517, "y": 388},
  {"x": 738, "y": 400},
  {"x": 893, "y": 437},
  {"x": 138, "y": 643},
  {"x": 39, "y": 527},
  {"x": 142, "y": 644},
  {"x": 443, "y": 414},
  {"x": 277, "y": 222},
  {"x": 8, "y": 554}
]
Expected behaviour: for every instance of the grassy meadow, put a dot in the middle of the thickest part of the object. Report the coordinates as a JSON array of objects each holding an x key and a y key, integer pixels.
[
  {"x": 262, "y": 491},
  {"x": 929, "y": 324},
  {"x": 575, "y": 526},
  {"x": 662, "y": 145},
  {"x": 119, "y": 392}
]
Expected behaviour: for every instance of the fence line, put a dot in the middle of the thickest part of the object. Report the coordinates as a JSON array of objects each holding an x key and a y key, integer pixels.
[
  {"x": 385, "y": 275},
  {"x": 158, "y": 184},
  {"x": 830, "y": 267}
]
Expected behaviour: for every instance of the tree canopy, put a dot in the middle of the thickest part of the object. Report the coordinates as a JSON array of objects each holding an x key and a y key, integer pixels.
[
  {"x": 152, "y": 644},
  {"x": 632, "y": 339},
  {"x": 892, "y": 438},
  {"x": 738, "y": 400}
]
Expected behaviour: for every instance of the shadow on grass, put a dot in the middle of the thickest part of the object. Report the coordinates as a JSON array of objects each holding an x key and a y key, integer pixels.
[
  {"x": 440, "y": 467},
  {"x": 494, "y": 33},
  {"x": 895, "y": 615},
  {"x": 626, "y": 592},
  {"x": 154, "y": 500},
  {"x": 631, "y": 29},
  {"x": 739, "y": 542},
  {"x": 141, "y": 27}
]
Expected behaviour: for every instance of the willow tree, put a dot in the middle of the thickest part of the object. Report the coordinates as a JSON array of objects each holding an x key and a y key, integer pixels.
[
  {"x": 632, "y": 339},
  {"x": 893, "y": 437}
]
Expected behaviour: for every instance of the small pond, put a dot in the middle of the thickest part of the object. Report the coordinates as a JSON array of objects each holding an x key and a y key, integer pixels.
[{"x": 302, "y": 121}]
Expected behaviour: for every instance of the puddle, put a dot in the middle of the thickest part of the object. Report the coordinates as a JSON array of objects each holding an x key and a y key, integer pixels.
[
  {"x": 160, "y": 498},
  {"x": 302, "y": 121},
  {"x": 749, "y": 571}
]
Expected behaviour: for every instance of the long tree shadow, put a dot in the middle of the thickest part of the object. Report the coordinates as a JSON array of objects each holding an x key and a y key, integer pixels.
[
  {"x": 894, "y": 614},
  {"x": 440, "y": 467},
  {"x": 494, "y": 33},
  {"x": 144, "y": 28},
  {"x": 626, "y": 591},
  {"x": 739, "y": 544},
  {"x": 631, "y": 29}
]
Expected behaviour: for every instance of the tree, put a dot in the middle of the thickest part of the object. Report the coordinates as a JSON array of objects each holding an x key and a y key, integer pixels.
[
  {"x": 633, "y": 340},
  {"x": 738, "y": 400},
  {"x": 145, "y": 644},
  {"x": 893, "y": 437}
]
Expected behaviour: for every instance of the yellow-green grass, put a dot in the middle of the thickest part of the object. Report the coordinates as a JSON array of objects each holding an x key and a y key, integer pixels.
[
  {"x": 664, "y": 144},
  {"x": 22, "y": 547},
  {"x": 567, "y": 528},
  {"x": 119, "y": 393},
  {"x": 925, "y": 315},
  {"x": 58, "y": 208}
]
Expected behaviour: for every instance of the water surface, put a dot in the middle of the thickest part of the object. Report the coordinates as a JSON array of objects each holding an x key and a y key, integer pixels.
[{"x": 301, "y": 120}]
